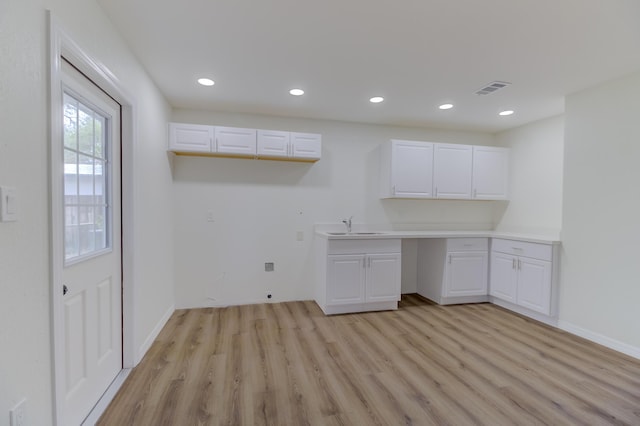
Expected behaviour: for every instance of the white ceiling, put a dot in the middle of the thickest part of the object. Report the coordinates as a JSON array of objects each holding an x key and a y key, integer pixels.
[{"x": 418, "y": 54}]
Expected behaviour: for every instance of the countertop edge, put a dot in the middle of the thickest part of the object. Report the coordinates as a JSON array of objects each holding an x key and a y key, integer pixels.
[{"x": 441, "y": 234}]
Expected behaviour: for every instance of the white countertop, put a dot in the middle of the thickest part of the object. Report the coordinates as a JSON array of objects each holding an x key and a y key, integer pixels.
[{"x": 331, "y": 235}]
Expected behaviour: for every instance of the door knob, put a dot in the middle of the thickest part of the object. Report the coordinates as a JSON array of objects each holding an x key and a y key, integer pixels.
[{"x": 65, "y": 290}]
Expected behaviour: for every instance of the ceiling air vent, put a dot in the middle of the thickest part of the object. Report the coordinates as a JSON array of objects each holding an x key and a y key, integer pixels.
[{"x": 492, "y": 87}]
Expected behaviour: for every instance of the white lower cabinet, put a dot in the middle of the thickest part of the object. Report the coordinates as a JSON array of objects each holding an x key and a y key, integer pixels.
[
  {"x": 357, "y": 275},
  {"x": 504, "y": 276},
  {"x": 523, "y": 275},
  {"x": 345, "y": 279},
  {"x": 453, "y": 270},
  {"x": 466, "y": 274}
]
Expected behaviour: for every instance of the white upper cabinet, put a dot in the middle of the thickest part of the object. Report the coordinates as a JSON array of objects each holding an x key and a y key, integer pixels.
[
  {"x": 273, "y": 143},
  {"x": 289, "y": 145},
  {"x": 190, "y": 137},
  {"x": 238, "y": 142},
  {"x": 490, "y": 173},
  {"x": 406, "y": 169},
  {"x": 235, "y": 141},
  {"x": 415, "y": 169},
  {"x": 452, "y": 171},
  {"x": 306, "y": 146}
]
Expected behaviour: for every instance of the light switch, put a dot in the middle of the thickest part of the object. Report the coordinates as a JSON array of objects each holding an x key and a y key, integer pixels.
[{"x": 8, "y": 204}]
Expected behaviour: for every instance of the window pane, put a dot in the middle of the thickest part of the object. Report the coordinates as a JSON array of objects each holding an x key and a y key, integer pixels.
[
  {"x": 100, "y": 227},
  {"x": 100, "y": 136},
  {"x": 70, "y": 122},
  {"x": 71, "y": 215},
  {"x": 87, "y": 239},
  {"x": 70, "y": 177},
  {"x": 71, "y": 243},
  {"x": 85, "y": 215},
  {"x": 85, "y": 176},
  {"x": 86, "y": 229},
  {"x": 100, "y": 182},
  {"x": 85, "y": 129}
]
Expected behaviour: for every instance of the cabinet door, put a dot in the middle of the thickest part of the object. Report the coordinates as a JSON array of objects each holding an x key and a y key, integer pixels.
[
  {"x": 452, "y": 171},
  {"x": 534, "y": 284},
  {"x": 412, "y": 169},
  {"x": 466, "y": 274},
  {"x": 190, "y": 137},
  {"x": 306, "y": 146},
  {"x": 383, "y": 277},
  {"x": 503, "y": 276},
  {"x": 272, "y": 143},
  {"x": 490, "y": 173},
  {"x": 345, "y": 279},
  {"x": 233, "y": 140}
]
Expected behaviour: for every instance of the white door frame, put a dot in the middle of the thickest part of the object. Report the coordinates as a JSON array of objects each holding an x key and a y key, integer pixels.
[{"x": 61, "y": 45}]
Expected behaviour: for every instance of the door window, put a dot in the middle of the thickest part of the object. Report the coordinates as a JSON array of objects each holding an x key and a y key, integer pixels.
[{"x": 86, "y": 185}]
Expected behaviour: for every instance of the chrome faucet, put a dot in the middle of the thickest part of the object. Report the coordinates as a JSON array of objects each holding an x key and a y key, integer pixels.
[{"x": 347, "y": 223}]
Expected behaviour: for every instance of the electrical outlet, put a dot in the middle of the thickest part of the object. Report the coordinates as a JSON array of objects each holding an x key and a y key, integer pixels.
[
  {"x": 210, "y": 217},
  {"x": 268, "y": 267},
  {"x": 18, "y": 414},
  {"x": 300, "y": 236}
]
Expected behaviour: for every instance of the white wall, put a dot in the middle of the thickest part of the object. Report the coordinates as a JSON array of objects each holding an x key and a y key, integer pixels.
[
  {"x": 259, "y": 206},
  {"x": 25, "y": 335},
  {"x": 600, "y": 291},
  {"x": 536, "y": 168}
]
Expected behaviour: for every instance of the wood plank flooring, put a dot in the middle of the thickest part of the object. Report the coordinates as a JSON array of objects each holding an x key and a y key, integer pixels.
[{"x": 424, "y": 364}]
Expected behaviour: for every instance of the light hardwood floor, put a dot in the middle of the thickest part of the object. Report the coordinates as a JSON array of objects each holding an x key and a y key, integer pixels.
[{"x": 424, "y": 364}]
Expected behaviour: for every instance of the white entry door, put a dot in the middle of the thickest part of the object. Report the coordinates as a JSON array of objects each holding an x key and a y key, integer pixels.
[{"x": 90, "y": 243}]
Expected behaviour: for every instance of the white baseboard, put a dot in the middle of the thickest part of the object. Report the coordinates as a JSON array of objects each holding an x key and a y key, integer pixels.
[
  {"x": 142, "y": 350},
  {"x": 616, "y": 345},
  {"x": 106, "y": 398}
]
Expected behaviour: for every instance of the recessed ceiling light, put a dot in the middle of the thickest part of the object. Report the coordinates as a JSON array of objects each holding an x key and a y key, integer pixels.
[
  {"x": 296, "y": 92},
  {"x": 506, "y": 112},
  {"x": 376, "y": 99},
  {"x": 446, "y": 106},
  {"x": 206, "y": 81}
]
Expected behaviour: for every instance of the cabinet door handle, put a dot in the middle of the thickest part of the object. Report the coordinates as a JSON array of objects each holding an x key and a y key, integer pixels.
[
  {"x": 394, "y": 190},
  {"x": 369, "y": 260},
  {"x": 519, "y": 264},
  {"x": 513, "y": 263},
  {"x": 364, "y": 263}
]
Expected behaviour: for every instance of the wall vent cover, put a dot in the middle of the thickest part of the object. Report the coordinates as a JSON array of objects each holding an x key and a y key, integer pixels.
[{"x": 492, "y": 87}]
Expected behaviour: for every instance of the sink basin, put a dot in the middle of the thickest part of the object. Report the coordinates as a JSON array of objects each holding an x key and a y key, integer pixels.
[{"x": 355, "y": 233}]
